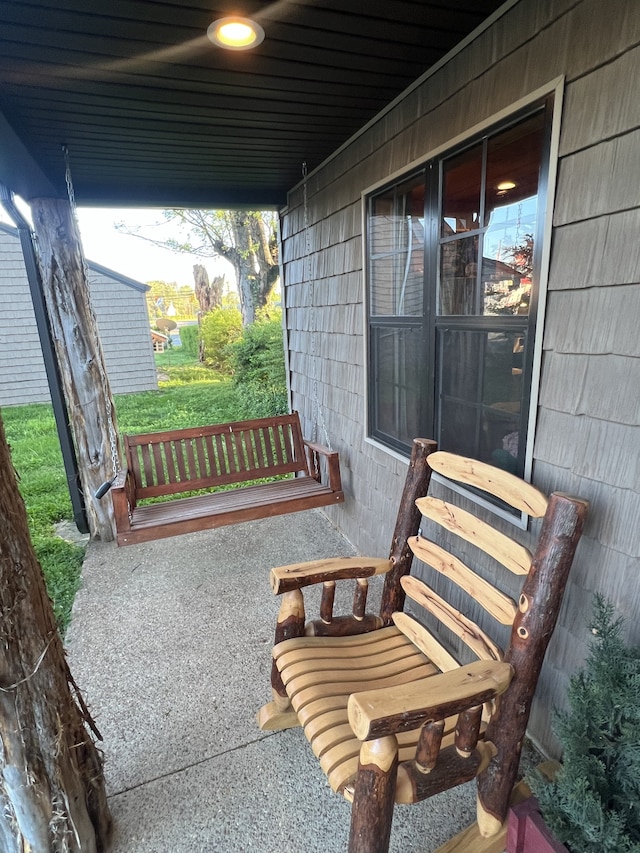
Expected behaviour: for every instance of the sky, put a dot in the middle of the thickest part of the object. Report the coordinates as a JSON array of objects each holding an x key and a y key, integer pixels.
[{"x": 134, "y": 257}]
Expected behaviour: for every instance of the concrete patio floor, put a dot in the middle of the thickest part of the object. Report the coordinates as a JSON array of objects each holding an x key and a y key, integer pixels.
[{"x": 170, "y": 642}]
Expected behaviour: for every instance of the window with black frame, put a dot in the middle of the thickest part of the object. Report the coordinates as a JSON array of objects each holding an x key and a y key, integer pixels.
[{"x": 453, "y": 254}]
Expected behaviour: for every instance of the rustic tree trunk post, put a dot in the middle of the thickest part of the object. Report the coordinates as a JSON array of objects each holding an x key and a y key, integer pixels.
[
  {"x": 538, "y": 610},
  {"x": 416, "y": 485},
  {"x": 279, "y": 714},
  {"x": 79, "y": 354},
  {"x": 374, "y": 794},
  {"x": 52, "y": 794}
]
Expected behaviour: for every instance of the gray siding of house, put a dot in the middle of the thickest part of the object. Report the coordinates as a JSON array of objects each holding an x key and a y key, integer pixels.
[
  {"x": 587, "y": 438},
  {"x": 120, "y": 307},
  {"x": 22, "y": 375}
]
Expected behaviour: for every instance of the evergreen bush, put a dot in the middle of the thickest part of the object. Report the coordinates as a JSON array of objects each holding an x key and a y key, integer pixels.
[
  {"x": 593, "y": 805},
  {"x": 189, "y": 340}
]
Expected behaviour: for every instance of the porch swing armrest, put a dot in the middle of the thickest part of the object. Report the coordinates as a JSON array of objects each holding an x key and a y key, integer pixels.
[
  {"x": 391, "y": 710},
  {"x": 315, "y": 450},
  {"x": 298, "y": 575},
  {"x": 123, "y": 495},
  {"x": 121, "y": 479}
]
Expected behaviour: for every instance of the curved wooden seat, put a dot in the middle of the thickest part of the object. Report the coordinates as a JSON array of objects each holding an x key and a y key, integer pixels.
[{"x": 320, "y": 684}]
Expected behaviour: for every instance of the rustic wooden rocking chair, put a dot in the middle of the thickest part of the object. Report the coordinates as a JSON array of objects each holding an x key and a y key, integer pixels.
[{"x": 390, "y": 712}]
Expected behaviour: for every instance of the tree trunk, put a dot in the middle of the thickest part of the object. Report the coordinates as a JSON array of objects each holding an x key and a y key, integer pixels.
[
  {"x": 266, "y": 261},
  {"x": 208, "y": 294},
  {"x": 79, "y": 353},
  {"x": 52, "y": 793},
  {"x": 254, "y": 262},
  {"x": 243, "y": 262}
]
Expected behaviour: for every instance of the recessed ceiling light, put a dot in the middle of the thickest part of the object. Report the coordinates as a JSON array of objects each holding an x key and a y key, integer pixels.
[
  {"x": 506, "y": 185},
  {"x": 235, "y": 33}
]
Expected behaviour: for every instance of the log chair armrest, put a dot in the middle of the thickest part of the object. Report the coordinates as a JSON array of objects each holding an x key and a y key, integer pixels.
[
  {"x": 297, "y": 575},
  {"x": 333, "y": 464},
  {"x": 389, "y": 711}
]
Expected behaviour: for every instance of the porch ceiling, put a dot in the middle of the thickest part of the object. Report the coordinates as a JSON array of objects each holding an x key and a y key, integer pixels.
[{"x": 154, "y": 114}]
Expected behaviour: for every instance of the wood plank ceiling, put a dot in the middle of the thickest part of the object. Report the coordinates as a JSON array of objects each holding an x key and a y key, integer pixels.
[{"x": 153, "y": 113}]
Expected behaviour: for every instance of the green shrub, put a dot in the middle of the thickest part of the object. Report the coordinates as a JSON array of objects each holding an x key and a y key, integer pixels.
[
  {"x": 257, "y": 360},
  {"x": 593, "y": 805},
  {"x": 220, "y": 328},
  {"x": 189, "y": 340}
]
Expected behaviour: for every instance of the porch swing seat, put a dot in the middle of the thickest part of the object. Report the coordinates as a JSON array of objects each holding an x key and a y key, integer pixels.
[{"x": 222, "y": 462}]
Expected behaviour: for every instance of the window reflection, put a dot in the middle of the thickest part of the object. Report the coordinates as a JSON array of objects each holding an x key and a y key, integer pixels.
[
  {"x": 462, "y": 179},
  {"x": 396, "y": 238}
]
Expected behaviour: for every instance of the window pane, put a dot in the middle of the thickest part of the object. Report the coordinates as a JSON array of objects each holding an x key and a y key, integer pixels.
[
  {"x": 459, "y": 428},
  {"x": 513, "y": 164},
  {"x": 461, "y": 354},
  {"x": 500, "y": 440},
  {"x": 482, "y": 399},
  {"x": 396, "y": 244},
  {"x": 461, "y": 177},
  {"x": 397, "y": 375},
  {"x": 511, "y": 200},
  {"x": 459, "y": 277}
]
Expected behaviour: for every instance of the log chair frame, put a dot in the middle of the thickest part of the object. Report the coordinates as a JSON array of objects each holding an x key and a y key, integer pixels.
[{"x": 380, "y": 718}]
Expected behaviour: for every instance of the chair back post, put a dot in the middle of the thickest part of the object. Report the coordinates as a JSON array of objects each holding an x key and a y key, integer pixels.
[
  {"x": 538, "y": 610},
  {"x": 407, "y": 523}
]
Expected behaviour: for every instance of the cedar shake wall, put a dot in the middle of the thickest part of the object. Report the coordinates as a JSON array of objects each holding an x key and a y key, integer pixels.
[
  {"x": 121, "y": 312},
  {"x": 587, "y": 438}
]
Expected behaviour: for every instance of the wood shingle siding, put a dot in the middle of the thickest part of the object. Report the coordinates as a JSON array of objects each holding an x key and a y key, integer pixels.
[
  {"x": 120, "y": 307},
  {"x": 587, "y": 436}
]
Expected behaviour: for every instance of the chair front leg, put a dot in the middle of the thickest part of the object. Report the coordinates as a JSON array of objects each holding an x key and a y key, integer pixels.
[
  {"x": 374, "y": 796},
  {"x": 278, "y": 714}
]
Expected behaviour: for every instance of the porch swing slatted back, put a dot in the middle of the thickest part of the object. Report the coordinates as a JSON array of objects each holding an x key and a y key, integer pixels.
[{"x": 206, "y": 457}]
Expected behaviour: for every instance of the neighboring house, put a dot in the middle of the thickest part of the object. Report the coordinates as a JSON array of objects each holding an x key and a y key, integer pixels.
[
  {"x": 120, "y": 308},
  {"x": 474, "y": 277}
]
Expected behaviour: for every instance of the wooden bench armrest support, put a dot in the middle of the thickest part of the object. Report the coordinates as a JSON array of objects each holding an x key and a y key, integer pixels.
[
  {"x": 389, "y": 711},
  {"x": 121, "y": 479},
  {"x": 123, "y": 495},
  {"x": 333, "y": 464},
  {"x": 297, "y": 575}
]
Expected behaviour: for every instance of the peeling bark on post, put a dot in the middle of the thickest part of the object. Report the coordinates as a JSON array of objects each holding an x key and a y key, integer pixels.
[
  {"x": 533, "y": 626},
  {"x": 416, "y": 485},
  {"x": 374, "y": 791},
  {"x": 52, "y": 793},
  {"x": 79, "y": 354}
]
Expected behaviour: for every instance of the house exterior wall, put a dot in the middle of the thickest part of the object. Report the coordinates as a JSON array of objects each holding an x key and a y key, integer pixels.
[
  {"x": 587, "y": 434},
  {"x": 121, "y": 313}
]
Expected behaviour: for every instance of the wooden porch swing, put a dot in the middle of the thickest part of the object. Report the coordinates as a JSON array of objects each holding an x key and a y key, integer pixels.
[{"x": 172, "y": 463}]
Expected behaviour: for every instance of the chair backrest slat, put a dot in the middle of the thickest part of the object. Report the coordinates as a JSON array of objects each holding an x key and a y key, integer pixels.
[
  {"x": 501, "y": 547},
  {"x": 497, "y": 603},
  {"x": 471, "y": 634},
  {"x": 501, "y": 484},
  {"x": 423, "y": 639}
]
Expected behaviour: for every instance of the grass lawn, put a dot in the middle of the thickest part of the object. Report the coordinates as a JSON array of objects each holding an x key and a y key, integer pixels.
[{"x": 189, "y": 396}]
